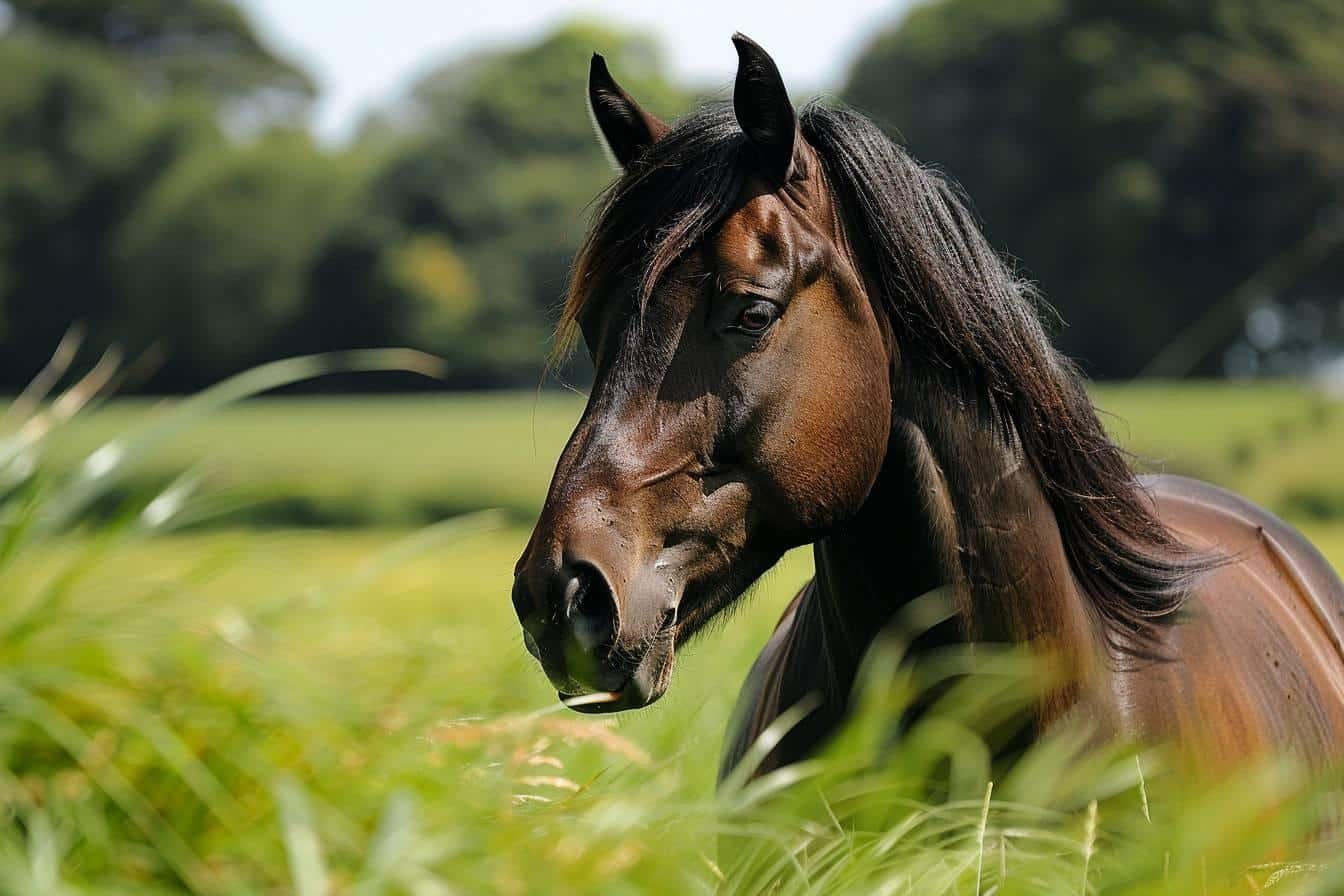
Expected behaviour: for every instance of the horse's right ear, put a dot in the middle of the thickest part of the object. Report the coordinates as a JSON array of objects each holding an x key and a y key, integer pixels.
[{"x": 625, "y": 129}]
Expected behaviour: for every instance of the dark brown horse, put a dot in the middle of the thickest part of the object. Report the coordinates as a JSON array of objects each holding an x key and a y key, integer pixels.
[{"x": 800, "y": 336}]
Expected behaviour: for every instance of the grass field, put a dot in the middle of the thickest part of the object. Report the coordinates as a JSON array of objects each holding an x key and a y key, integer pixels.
[
  {"x": 411, "y": 460},
  {"x": 263, "y": 708}
]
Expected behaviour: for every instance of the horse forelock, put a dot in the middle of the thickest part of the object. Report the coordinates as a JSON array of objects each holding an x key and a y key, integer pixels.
[{"x": 663, "y": 205}]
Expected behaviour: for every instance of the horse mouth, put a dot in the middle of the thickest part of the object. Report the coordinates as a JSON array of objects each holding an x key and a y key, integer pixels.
[
  {"x": 644, "y": 687},
  {"x": 604, "y": 701}
]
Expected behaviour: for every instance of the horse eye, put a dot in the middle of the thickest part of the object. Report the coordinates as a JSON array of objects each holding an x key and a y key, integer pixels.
[{"x": 757, "y": 317}]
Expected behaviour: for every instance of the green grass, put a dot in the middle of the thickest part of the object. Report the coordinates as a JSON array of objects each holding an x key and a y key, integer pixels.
[
  {"x": 332, "y": 660},
  {"x": 223, "y": 676},
  {"x": 385, "y": 460},
  {"x": 342, "y": 605},
  {"x": 244, "y": 710},
  {"x": 1278, "y": 444}
]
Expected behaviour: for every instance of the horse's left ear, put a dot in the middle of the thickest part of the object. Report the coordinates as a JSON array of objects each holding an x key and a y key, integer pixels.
[
  {"x": 763, "y": 109},
  {"x": 626, "y": 129}
]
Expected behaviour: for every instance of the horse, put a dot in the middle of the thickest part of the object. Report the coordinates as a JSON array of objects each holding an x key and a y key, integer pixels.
[{"x": 799, "y": 335}]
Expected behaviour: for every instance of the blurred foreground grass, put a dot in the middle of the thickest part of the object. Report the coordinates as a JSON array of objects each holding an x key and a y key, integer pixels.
[
  {"x": 323, "y": 712},
  {"x": 353, "y": 713},
  {"x": 200, "y": 671}
]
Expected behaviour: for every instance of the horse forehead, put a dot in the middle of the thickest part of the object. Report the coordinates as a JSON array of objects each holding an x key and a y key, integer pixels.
[{"x": 766, "y": 231}]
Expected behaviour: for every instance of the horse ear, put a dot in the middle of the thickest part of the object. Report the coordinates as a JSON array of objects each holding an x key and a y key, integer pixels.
[
  {"x": 762, "y": 107},
  {"x": 625, "y": 129}
]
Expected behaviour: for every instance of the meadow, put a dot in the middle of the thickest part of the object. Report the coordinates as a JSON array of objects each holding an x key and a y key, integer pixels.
[
  {"x": 307, "y": 678},
  {"x": 402, "y": 461}
]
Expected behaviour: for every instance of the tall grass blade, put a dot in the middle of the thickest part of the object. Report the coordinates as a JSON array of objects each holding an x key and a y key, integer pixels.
[
  {"x": 104, "y": 467},
  {"x": 303, "y": 847}
]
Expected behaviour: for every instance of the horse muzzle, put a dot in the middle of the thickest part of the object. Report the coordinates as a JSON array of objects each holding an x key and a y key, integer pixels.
[{"x": 597, "y": 661}]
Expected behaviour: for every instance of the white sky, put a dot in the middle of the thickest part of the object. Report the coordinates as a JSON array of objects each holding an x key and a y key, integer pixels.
[{"x": 362, "y": 52}]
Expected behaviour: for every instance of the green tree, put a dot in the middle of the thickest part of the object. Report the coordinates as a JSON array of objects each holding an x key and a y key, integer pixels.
[
  {"x": 128, "y": 203},
  {"x": 216, "y": 258},
  {"x": 496, "y": 156},
  {"x": 123, "y": 204},
  {"x": 1144, "y": 159},
  {"x": 78, "y": 148},
  {"x": 172, "y": 44}
]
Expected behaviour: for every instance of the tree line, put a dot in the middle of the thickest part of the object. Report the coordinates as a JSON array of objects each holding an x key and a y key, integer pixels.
[{"x": 1152, "y": 164}]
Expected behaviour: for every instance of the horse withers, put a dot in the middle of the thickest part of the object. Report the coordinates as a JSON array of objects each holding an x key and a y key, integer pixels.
[{"x": 800, "y": 336}]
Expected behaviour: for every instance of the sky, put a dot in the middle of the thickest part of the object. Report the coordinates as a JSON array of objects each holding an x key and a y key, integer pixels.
[{"x": 363, "y": 52}]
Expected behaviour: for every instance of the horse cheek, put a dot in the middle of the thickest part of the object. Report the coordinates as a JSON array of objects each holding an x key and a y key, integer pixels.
[{"x": 836, "y": 435}]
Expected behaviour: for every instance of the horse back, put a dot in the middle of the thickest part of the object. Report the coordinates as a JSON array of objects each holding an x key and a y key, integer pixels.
[{"x": 1257, "y": 663}]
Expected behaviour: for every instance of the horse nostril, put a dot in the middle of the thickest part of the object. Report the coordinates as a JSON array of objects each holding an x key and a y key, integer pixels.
[
  {"x": 522, "y": 599},
  {"x": 590, "y": 607}
]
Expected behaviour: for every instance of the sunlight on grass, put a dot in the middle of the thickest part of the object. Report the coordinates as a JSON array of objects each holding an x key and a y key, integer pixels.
[{"x": 312, "y": 711}]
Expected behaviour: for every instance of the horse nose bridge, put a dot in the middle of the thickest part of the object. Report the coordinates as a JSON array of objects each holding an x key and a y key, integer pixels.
[
  {"x": 586, "y": 521},
  {"x": 587, "y": 453},
  {"x": 615, "y": 461},
  {"x": 615, "y": 495}
]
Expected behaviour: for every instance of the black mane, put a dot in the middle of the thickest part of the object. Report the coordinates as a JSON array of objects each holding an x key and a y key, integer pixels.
[{"x": 955, "y": 309}]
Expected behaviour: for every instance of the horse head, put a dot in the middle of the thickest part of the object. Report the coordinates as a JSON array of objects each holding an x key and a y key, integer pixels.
[{"x": 741, "y": 400}]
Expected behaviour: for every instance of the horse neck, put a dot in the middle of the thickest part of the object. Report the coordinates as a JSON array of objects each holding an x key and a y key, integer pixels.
[{"x": 956, "y": 504}]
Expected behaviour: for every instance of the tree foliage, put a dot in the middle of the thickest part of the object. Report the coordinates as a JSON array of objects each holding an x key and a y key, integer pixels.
[
  {"x": 131, "y": 202},
  {"x": 78, "y": 149},
  {"x": 1143, "y": 159},
  {"x": 204, "y": 44},
  {"x": 498, "y": 157},
  {"x": 215, "y": 257},
  {"x": 1156, "y": 167}
]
